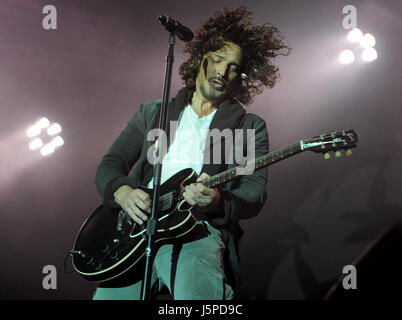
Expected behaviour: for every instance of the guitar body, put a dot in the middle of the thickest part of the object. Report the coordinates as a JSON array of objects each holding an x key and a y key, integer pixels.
[{"x": 110, "y": 242}]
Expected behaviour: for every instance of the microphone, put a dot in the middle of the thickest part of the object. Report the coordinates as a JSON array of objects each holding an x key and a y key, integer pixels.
[{"x": 176, "y": 28}]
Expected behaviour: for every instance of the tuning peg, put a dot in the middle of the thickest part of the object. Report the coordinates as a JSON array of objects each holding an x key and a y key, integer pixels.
[
  {"x": 348, "y": 152},
  {"x": 338, "y": 154},
  {"x": 327, "y": 156}
]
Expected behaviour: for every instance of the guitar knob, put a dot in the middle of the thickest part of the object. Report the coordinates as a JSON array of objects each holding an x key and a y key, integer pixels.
[
  {"x": 82, "y": 255},
  {"x": 98, "y": 267},
  {"x": 348, "y": 152},
  {"x": 338, "y": 154},
  {"x": 78, "y": 253},
  {"x": 327, "y": 156}
]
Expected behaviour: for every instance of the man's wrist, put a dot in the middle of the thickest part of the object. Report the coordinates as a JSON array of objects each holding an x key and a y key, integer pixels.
[{"x": 216, "y": 201}]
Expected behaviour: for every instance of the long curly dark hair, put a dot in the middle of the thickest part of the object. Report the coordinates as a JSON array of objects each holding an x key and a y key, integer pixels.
[{"x": 259, "y": 45}]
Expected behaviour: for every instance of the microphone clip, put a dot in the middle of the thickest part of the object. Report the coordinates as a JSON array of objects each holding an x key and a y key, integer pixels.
[{"x": 176, "y": 28}]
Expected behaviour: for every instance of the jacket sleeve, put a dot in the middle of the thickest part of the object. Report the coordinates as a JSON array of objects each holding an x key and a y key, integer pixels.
[
  {"x": 244, "y": 199},
  {"x": 113, "y": 171}
]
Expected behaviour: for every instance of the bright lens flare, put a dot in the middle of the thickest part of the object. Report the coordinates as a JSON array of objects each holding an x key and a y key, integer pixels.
[
  {"x": 33, "y": 131},
  {"x": 57, "y": 142},
  {"x": 346, "y": 57},
  {"x": 355, "y": 35},
  {"x": 47, "y": 150},
  {"x": 368, "y": 41},
  {"x": 43, "y": 123},
  {"x": 369, "y": 54},
  {"x": 36, "y": 144},
  {"x": 55, "y": 128}
]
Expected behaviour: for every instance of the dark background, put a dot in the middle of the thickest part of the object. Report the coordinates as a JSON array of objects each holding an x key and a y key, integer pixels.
[{"x": 107, "y": 57}]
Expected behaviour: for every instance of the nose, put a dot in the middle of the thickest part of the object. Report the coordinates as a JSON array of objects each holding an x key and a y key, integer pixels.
[{"x": 223, "y": 72}]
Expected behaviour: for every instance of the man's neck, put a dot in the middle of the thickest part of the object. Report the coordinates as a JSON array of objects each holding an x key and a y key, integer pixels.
[{"x": 202, "y": 106}]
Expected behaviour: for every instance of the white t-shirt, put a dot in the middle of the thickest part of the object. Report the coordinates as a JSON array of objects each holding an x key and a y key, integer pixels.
[{"x": 187, "y": 149}]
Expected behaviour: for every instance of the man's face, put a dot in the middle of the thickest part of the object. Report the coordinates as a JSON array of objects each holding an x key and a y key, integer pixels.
[{"x": 219, "y": 72}]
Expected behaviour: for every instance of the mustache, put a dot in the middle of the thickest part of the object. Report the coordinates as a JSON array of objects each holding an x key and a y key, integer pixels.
[{"x": 220, "y": 79}]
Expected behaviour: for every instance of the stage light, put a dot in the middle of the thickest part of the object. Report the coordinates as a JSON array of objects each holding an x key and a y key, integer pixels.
[
  {"x": 368, "y": 41},
  {"x": 43, "y": 123},
  {"x": 36, "y": 144},
  {"x": 33, "y": 131},
  {"x": 355, "y": 35},
  {"x": 346, "y": 57},
  {"x": 369, "y": 54},
  {"x": 55, "y": 128},
  {"x": 47, "y": 149},
  {"x": 57, "y": 142}
]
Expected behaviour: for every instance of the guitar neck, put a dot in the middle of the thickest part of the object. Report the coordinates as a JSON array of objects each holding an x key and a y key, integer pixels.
[
  {"x": 260, "y": 162},
  {"x": 324, "y": 143}
]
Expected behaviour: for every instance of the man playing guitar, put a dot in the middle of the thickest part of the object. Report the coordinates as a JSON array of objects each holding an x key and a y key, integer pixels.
[{"x": 229, "y": 63}]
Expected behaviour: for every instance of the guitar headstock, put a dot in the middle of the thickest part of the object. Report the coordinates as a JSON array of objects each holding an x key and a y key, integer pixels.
[{"x": 335, "y": 141}]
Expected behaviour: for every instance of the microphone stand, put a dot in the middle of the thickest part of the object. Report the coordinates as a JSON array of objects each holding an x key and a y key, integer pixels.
[{"x": 152, "y": 221}]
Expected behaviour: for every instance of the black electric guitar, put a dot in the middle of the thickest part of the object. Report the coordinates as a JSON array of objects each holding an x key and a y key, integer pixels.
[{"x": 109, "y": 242}]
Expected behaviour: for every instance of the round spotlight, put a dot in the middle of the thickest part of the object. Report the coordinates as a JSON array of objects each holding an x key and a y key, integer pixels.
[
  {"x": 368, "y": 41},
  {"x": 33, "y": 131},
  {"x": 36, "y": 144},
  {"x": 43, "y": 123},
  {"x": 57, "y": 142},
  {"x": 55, "y": 128},
  {"x": 355, "y": 35},
  {"x": 47, "y": 149},
  {"x": 369, "y": 54},
  {"x": 346, "y": 57}
]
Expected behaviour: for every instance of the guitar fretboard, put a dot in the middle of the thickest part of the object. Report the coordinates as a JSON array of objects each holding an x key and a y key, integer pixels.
[
  {"x": 260, "y": 162},
  {"x": 319, "y": 144},
  {"x": 166, "y": 200}
]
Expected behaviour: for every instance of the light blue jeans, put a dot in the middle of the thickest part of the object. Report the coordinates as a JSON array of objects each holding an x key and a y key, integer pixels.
[{"x": 200, "y": 272}]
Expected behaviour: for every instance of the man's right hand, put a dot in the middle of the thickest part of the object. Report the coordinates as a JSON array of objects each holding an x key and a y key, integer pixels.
[{"x": 132, "y": 200}]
